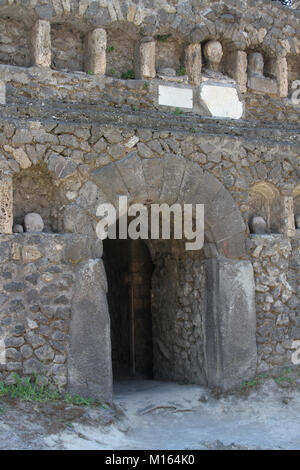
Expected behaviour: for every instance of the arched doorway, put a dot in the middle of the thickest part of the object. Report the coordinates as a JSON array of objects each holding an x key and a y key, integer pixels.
[
  {"x": 226, "y": 307},
  {"x": 129, "y": 270}
]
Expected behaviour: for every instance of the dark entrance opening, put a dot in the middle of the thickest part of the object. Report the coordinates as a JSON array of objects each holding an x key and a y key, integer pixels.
[{"x": 129, "y": 270}]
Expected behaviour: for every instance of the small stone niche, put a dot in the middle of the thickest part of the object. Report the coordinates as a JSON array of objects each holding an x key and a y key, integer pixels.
[
  {"x": 122, "y": 51},
  {"x": 68, "y": 48},
  {"x": 265, "y": 202},
  {"x": 293, "y": 65},
  {"x": 170, "y": 56},
  {"x": 15, "y": 46},
  {"x": 34, "y": 191}
]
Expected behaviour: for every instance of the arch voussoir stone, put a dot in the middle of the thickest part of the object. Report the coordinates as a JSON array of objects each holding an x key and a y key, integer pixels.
[
  {"x": 174, "y": 167},
  {"x": 109, "y": 180},
  {"x": 132, "y": 172},
  {"x": 153, "y": 172}
]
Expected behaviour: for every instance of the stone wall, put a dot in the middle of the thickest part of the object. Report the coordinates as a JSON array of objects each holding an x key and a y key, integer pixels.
[
  {"x": 276, "y": 267},
  {"x": 177, "y": 310},
  {"x": 113, "y": 40},
  {"x": 38, "y": 281},
  {"x": 67, "y": 49},
  {"x": 15, "y": 47}
]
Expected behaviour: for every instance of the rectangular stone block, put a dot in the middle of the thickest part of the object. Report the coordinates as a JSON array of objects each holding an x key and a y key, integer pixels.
[
  {"x": 193, "y": 63},
  {"x": 2, "y": 93},
  {"x": 288, "y": 220},
  {"x": 6, "y": 203},
  {"x": 229, "y": 323},
  {"x": 263, "y": 85},
  {"x": 96, "y": 52},
  {"x": 147, "y": 59},
  {"x": 282, "y": 77},
  {"x": 236, "y": 68},
  {"x": 175, "y": 96},
  {"x": 41, "y": 43}
]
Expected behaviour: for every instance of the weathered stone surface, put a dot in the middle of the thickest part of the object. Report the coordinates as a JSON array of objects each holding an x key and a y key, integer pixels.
[
  {"x": 2, "y": 93},
  {"x": 258, "y": 225},
  {"x": 282, "y": 77},
  {"x": 193, "y": 63},
  {"x": 41, "y": 43},
  {"x": 213, "y": 53},
  {"x": 230, "y": 307},
  {"x": 6, "y": 203},
  {"x": 221, "y": 100},
  {"x": 236, "y": 67},
  {"x": 147, "y": 58},
  {"x": 96, "y": 52},
  {"x": 255, "y": 64},
  {"x": 89, "y": 363},
  {"x": 132, "y": 173},
  {"x": 33, "y": 222}
]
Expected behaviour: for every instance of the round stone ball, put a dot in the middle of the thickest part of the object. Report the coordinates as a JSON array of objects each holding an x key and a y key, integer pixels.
[
  {"x": 33, "y": 222},
  {"x": 17, "y": 228},
  {"x": 258, "y": 225},
  {"x": 297, "y": 220},
  {"x": 213, "y": 51}
]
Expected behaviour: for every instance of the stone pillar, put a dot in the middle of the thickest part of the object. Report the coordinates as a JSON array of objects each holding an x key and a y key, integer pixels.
[
  {"x": 288, "y": 223},
  {"x": 2, "y": 93},
  {"x": 6, "y": 203},
  {"x": 282, "y": 76},
  {"x": 96, "y": 52},
  {"x": 89, "y": 361},
  {"x": 147, "y": 58},
  {"x": 236, "y": 68},
  {"x": 193, "y": 63},
  {"x": 41, "y": 43},
  {"x": 229, "y": 323}
]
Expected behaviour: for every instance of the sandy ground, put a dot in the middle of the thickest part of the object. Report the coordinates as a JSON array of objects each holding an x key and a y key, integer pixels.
[{"x": 158, "y": 415}]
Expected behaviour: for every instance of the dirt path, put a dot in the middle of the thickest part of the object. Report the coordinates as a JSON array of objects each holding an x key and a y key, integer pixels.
[{"x": 157, "y": 415}]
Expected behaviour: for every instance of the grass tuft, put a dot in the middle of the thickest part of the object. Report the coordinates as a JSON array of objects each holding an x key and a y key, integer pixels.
[{"x": 29, "y": 389}]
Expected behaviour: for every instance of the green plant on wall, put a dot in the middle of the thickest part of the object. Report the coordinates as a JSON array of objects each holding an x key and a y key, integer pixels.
[
  {"x": 129, "y": 75},
  {"x": 163, "y": 37},
  {"x": 181, "y": 71},
  {"x": 110, "y": 49}
]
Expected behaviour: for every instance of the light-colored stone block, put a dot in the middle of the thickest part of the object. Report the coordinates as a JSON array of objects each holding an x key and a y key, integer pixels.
[
  {"x": 147, "y": 58},
  {"x": 282, "y": 77},
  {"x": 96, "y": 52},
  {"x": 222, "y": 100},
  {"x": 288, "y": 225},
  {"x": 175, "y": 96},
  {"x": 263, "y": 85},
  {"x": 193, "y": 63},
  {"x": 229, "y": 323},
  {"x": 41, "y": 43},
  {"x": 236, "y": 68},
  {"x": 6, "y": 203},
  {"x": 2, "y": 93}
]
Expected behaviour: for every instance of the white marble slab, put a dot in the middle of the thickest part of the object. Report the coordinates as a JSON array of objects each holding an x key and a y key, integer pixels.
[
  {"x": 222, "y": 100},
  {"x": 175, "y": 96}
]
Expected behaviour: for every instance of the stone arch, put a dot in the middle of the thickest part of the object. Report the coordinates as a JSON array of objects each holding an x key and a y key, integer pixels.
[
  {"x": 175, "y": 179},
  {"x": 228, "y": 304}
]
